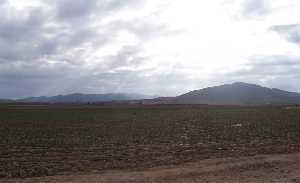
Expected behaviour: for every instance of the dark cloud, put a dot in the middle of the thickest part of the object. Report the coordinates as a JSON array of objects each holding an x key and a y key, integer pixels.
[
  {"x": 126, "y": 56},
  {"x": 290, "y": 32},
  {"x": 254, "y": 8},
  {"x": 70, "y": 9},
  {"x": 54, "y": 49},
  {"x": 44, "y": 48},
  {"x": 144, "y": 81},
  {"x": 38, "y": 34},
  {"x": 279, "y": 71},
  {"x": 20, "y": 36},
  {"x": 275, "y": 65},
  {"x": 20, "y": 79}
]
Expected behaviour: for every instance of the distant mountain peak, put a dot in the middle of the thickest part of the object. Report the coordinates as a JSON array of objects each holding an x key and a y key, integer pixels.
[
  {"x": 246, "y": 84},
  {"x": 241, "y": 83},
  {"x": 84, "y": 98},
  {"x": 238, "y": 93}
]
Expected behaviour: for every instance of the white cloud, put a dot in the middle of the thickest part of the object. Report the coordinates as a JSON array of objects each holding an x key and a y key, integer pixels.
[{"x": 145, "y": 46}]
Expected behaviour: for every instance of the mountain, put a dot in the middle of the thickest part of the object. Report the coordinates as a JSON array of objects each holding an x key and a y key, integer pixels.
[
  {"x": 238, "y": 94},
  {"x": 228, "y": 94},
  {"x": 5, "y": 101},
  {"x": 84, "y": 98}
]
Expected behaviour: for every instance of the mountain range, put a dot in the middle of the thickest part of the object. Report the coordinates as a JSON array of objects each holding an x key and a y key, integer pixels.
[
  {"x": 228, "y": 94},
  {"x": 233, "y": 94},
  {"x": 85, "y": 98},
  {"x": 5, "y": 100}
]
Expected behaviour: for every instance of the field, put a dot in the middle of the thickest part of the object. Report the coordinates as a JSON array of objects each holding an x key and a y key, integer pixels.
[{"x": 62, "y": 139}]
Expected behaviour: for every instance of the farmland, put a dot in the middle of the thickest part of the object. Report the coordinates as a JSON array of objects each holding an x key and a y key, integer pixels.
[{"x": 43, "y": 140}]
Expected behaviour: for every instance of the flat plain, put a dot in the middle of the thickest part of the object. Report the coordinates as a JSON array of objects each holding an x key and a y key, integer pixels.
[{"x": 47, "y": 140}]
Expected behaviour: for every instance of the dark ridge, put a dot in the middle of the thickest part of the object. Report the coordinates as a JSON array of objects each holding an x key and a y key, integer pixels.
[{"x": 239, "y": 93}]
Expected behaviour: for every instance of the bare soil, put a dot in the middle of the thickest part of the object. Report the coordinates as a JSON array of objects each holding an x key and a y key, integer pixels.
[
  {"x": 183, "y": 143},
  {"x": 260, "y": 168}
]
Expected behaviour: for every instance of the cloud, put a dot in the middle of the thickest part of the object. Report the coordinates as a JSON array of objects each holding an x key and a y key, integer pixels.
[
  {"x": 275, "y": 65},
  {"x": 144, "y": 46},
  {"x": 62, "y": 46},
  {"x": 69, "y": 9},
  {"x": 35, "y": 32},
  {"x": 82, "y": 10},
  {"x": 254, "y": 8},
  {"x": 20, "y": 79},
  {"x": 127, "y": 56},
  {"x": 3, "y": 2},
  {"x": 36, "y": 35},
  {"x": 145, "y": 28},
  {"x": 279, "y": 71},
  {"x": 23, "y": 32},
  {"x": 290, "y": 32}
]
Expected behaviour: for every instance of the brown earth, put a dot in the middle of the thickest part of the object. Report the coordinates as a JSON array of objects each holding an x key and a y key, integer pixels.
[
  {"x": 259, "y": 168},
  {"x": 36, "y": 162}
]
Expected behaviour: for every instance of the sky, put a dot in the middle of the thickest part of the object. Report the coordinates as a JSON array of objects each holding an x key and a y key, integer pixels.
[{"x": 154, "y": 47}]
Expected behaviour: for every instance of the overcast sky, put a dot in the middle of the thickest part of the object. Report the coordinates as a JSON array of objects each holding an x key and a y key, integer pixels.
[{"x": 162, "y": 47}]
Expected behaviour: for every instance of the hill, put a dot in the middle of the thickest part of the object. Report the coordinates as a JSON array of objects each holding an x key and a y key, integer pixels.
[
  {"x": 5, "y": 101},
  {"x": 238, "y": 94},
  {"x": 84, "y": 98},
  {"x": 228, "y": 94}
]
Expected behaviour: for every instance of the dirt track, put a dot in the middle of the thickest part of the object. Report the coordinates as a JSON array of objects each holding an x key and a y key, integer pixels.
[{"x": 263, "y": 168}]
